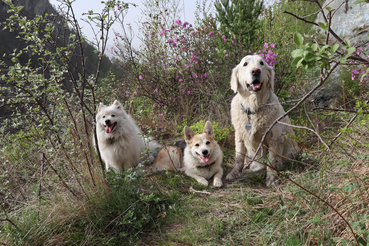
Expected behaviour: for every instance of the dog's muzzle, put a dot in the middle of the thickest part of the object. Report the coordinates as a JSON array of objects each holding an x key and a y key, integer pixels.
[
  {"x": 109, "y": 126},
  {"x": 255, "y": 86}
]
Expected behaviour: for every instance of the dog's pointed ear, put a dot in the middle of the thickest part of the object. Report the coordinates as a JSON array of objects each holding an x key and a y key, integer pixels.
[
  {"x": 101, "y": 105},
  {"x": 188, "y": 133},
  {"x": 117, "y": 104},
  {"x": 271, "y": 74},
  {"x": 208, "y": 129},
  {"x": 234, "y": 79}
]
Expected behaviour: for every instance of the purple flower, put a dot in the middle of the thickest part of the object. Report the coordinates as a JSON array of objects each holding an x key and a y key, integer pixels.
[
  {"x": 135, "y": 92},
  {"x": 188, "y": 92},
  {"x": 194, "y": 75},
  {"x": 266, "y": 45},
  {"x": 140, "y": 77},
  {"x": 156, "y": 90},
  {"x": 180, "y": 80},
  {"x": 170, "y": 40},
  {"x": 211, "y": 33},
  {"x": 174, "y": 45},
  {"x": 272, "y": 45},
  {"x": 226, "y": 55},
  {"x": 178, "y": 22}
]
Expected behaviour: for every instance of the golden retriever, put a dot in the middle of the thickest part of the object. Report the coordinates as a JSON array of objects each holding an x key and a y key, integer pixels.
[{"x": 253, "y": 110}]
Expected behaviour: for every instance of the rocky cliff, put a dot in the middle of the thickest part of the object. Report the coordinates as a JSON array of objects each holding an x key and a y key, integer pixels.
[
  {"x": 350, "y": 21},
  {"x": 9, "y": 42}
]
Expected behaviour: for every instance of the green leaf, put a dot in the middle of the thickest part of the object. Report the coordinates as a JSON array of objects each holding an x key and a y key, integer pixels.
[
  {"x": 350, "y": 50},
  {"x": 297, "y": 53},
  {"x": 299, "y": 62},
  {"x": 343, "y": 59},
  {"x": 309, "y": 57},
  {"x": 295, "y": 61},
  {"x": 334, "y": 48},
  {"x": 360, "y": 1},
  {"x": 347, "y": 41},
  {"x": 297, "y": 37},
  {"x": 314, "y": 47},
  {"x": 324, "y": 26}
]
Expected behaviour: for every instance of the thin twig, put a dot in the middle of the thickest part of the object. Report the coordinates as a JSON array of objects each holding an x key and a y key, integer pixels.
[{"x": 309, "y": 129}]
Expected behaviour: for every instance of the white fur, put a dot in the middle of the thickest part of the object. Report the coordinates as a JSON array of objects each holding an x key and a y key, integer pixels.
[
  {"x": 266, "y": 109},
  {"x": 121, "y": 149},
  {"x": 193, "y": 162}
]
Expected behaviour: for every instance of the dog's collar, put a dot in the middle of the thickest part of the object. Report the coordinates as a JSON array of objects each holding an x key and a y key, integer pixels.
[
  {"x": 207, "y": 166},
  {"x": 112, "y": 139},
  {"x": 248, "y": 110}
]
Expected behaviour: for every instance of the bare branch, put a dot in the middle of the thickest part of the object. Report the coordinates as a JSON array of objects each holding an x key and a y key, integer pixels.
[{"x": 309, "y": 129}]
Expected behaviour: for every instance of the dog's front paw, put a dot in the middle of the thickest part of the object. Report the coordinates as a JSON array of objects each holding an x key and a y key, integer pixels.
[
  {"x": 218, "y": 182},
  {"x": 272, "y": 180},
  {"x": 203, "y": 182},
  {"x": 234, "y": 174}
]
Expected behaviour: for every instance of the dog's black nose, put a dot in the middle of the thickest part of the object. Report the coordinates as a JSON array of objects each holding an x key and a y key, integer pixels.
[
  {"x": 205, "y": 152},
  {"x": 255, "y": 71},
  {"x": 108, "y": 122}
]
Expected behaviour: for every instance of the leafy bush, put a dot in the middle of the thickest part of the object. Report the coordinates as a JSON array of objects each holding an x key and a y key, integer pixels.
[{"x": 220, "y": 133}]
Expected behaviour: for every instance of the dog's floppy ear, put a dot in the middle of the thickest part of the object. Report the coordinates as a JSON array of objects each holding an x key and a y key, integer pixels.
[
  {"x": 117, "y": 104},
  {"x": 271, "y": 74},
  {"x": 188, "y": 133},
  {"x": 208, "y": 129},
  {"x": 234, "y": 79},
  {"x": 101, "y": 105}
]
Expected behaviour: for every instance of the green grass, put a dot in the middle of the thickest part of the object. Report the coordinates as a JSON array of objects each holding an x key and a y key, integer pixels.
[{"x": 170, "y": 208}]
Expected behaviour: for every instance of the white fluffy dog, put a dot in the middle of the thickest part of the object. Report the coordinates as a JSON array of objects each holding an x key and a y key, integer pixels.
[
  {"x": 253, "y": 110},
  {"x": 120, "y": 141}
]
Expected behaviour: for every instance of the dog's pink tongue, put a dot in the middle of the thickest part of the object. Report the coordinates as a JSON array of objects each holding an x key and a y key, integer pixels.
[
  {"x": 204, "y": 159},
  {"x": 256, "y": 86},
  {"x": 109, "y": 129}
]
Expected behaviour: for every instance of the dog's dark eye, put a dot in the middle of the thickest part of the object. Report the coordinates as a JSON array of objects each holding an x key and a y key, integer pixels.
[
  {"x": 207, "y": 142},
  {"x": 245, "y": 64},
  {"x": 104, "y": 116},
  {"x": 197, "y": 145},
  {"x": 261, "y": 63},
  {"x": 113, "y": 115}
]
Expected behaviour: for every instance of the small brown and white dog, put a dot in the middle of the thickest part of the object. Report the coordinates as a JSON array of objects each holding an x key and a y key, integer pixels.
[{"x": 203, "y": 156}]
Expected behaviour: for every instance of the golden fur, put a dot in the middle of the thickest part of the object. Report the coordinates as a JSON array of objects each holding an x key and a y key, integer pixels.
[
  {"x": 253, "y": 110},
  {"x": 169, "y": 158}
]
